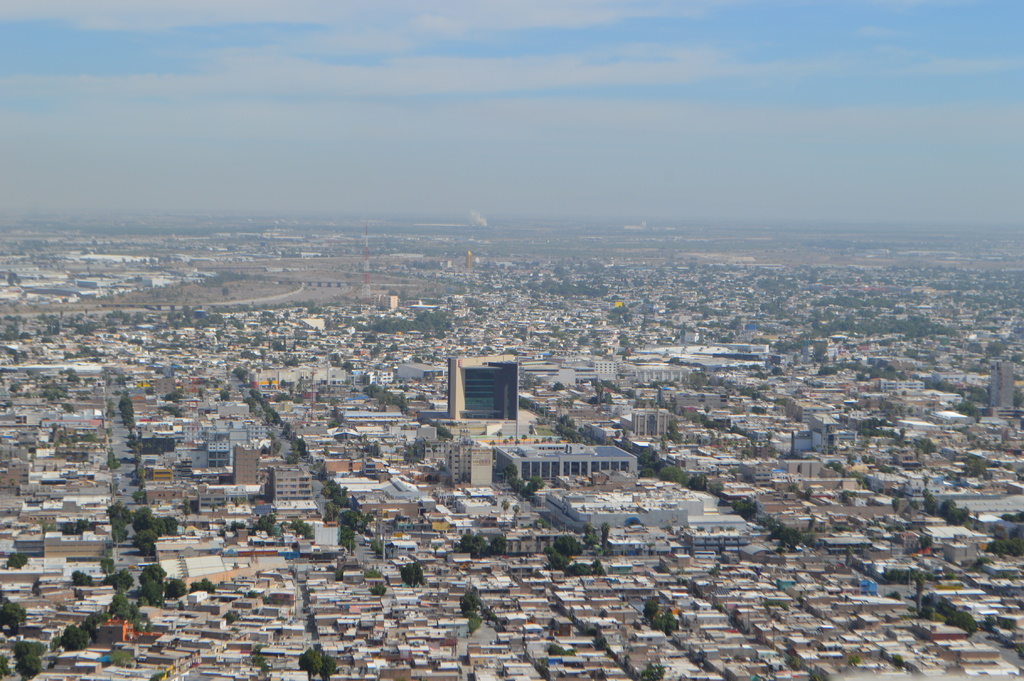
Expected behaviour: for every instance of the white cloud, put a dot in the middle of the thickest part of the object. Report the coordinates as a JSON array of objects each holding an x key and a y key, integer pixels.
[{"x": 446, "y": 17}]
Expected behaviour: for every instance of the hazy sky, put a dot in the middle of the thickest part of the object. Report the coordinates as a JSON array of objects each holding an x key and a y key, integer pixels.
[{"x": 646, "y": 109}]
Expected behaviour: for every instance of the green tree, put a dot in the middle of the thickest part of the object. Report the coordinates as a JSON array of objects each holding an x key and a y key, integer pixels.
[
  {"x": 175, "y": 588},
  {"x": 498, "y": 545},
  {"x": 745, "y": 508},
  {"x": 203, "y": 584},
  {"x": 12, "y": 616},
  {"x": 652, "y": 672},
  {"x": 79, "y": 578},
  {"x": 145, "y": 542},
  {"x": 152, "y": 592},
  {"x": 964, "y": 620},
  {"x": 311, "y": 662},
  {"x": 29, "y": 666},
  {"x": 16, "y": 561},
  {"x": 567, "y": 545},
  {"x": 120, "y": 658},
  {"x": 121, "y": 580},
  {"x": 74, "y": 638},
  {"x": 469, "y": 603},
  {"x": 412, "y": 573},
  {"x": 28, "y": 658},
  {"x": 327, "y": 667}
]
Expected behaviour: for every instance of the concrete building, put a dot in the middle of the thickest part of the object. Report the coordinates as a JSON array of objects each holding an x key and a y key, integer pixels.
[
  {"x": 665, "y": 505},
  {"x": 289, "y": 483},
  {"x": 484, "y": 388},
  {"x": 1000, "y": 385},
  {"x": 469, "y": 463},
  {"x": 246, "y": 466},
  {"x": 648, "y": 423},
  {"x": 557, "y": 459}
]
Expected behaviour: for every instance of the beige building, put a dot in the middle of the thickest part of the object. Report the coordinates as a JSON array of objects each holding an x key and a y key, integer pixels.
[
  {"x": 289, "y": 483},
  {"x": 469, "y": 463},
  {"x": 648, "y": 423},
  {"x": 246, "y": 466}
]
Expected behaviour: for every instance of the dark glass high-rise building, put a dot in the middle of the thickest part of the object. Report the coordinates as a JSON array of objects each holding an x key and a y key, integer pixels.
[{"x": 483, "y": 388}]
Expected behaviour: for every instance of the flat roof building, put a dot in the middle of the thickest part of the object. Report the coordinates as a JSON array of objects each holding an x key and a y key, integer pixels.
[
  {"x": 483, "y": 388},
  {"x": 550, "y": 461}
]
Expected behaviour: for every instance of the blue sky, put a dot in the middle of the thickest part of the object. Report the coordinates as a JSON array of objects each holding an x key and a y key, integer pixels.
[{"x": 824, "y": 110}]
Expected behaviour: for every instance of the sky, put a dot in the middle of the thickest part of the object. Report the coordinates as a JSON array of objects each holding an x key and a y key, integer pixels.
[{"x": 830, "y": 111}]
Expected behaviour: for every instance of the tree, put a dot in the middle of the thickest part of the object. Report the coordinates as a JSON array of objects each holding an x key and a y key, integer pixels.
[
  {"x": 745, "y": 508},
  {"x": 302, "y": 528},
  {"x": 5, "y": 666},
  {"x": 378, "y": 590},
  {"x": 28, "y": 658},
  {"x": 120, "y": 658},
  {"x": 29, "y": 666},
  {"x": 652, "y": 672},
  {"x": 12, "y": 616},
  {"x": 153, "y": 573},
  {"x": 152, "y": 592},
  {"x": 311, "y": 662},
  {"x": 498, "y": 545},
  {"x": 203, "y": 584},
  {"x": 650, "y": 609},
  {"x": 327, "y": 667},
  {"x": 557, "y": 561},
  {"x": 606, "y": 531},
  {"x": 412, "y": 573},
  {"x": 567, "y": 545},
  {"x": 175, "y": 588},
  {"x": 74, "y": 638},
  {"x": 469, "y": 603},
  {"x": 79, "y": 578},
  {"x": 124, "y": 609},
  {"x": 121, "y": 580},
  {"x": 963, "y": 620},
  {"x": 145, "y": 542},
  {"x": 16, "y": 561},
  {"x": 474, "y": 544},
  {"x": 127, "y": 410}
]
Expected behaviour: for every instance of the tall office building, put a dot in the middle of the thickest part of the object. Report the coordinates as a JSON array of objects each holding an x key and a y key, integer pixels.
[
  {"x": 469, "y": 463},
  {"x": 1000, "y": 385},
  {"x": 483, "y": 388},
  {"x": 289, "y": 483},
  {"x": 246, "y": 465}
]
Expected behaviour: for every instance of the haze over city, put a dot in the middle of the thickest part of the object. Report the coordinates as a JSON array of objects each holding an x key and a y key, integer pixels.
[
  {"x": 480, "y": 340},
  {"x": 859, "y": 110}
]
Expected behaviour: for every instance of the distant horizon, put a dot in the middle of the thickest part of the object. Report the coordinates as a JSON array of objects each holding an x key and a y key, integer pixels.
[
  {"x": 886, "y": 112},
  {"x": 496, "y": 222}
]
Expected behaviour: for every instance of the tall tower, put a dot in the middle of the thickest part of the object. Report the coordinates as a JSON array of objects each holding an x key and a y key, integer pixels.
[
  {"x": 364, "y": 294},
  {"x": 1000, "y": 385},
  {"x": 469, "y": 260}
]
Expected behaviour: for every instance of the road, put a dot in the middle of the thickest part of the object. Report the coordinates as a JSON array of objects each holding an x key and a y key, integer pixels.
[{"x": 259, "y": 301}]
